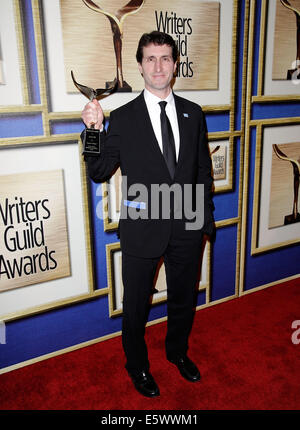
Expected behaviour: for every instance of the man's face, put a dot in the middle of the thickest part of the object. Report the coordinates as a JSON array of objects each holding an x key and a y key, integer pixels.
[{"x": 157, "y": 67}]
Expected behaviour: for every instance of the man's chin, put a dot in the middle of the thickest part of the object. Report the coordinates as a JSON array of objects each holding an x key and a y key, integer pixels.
[{"x": 160, "y": 86}]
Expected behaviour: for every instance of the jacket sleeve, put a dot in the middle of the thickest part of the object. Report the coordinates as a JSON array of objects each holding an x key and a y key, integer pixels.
[
  {"x": 101, "y": 168},
  {"x": 205, "y": 177}
]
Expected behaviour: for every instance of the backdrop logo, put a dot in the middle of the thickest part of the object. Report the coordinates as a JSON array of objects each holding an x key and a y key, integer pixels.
[
  {"x": 118, "y": 25},
  {"x": 33, "y": 233}
]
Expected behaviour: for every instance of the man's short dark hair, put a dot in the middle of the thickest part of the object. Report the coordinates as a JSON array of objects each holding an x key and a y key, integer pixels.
[{"x": 157, "y": 38}]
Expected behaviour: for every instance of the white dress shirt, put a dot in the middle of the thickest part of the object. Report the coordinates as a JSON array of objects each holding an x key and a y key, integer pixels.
[{"x": 154, "y": 113}]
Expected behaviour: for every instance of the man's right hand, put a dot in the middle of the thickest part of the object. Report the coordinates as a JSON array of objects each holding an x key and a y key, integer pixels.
[{"x": 93, "y": 114}]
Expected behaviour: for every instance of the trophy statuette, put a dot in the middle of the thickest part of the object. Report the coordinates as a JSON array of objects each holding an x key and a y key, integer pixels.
[
  {"x": 294, "y": 73},
  {"x": 294, "y": 216},
  {"x": 91, "y": 137}
]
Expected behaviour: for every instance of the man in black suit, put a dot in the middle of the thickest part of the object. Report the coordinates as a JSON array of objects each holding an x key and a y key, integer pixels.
[{"x": 158, "y": 140}]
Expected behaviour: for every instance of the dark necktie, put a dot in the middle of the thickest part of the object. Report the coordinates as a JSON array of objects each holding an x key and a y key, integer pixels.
[{"x": 168, "y": 141}]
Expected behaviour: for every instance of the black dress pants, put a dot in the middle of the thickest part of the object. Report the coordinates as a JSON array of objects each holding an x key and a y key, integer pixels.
[{"x": 182, "y": 262}]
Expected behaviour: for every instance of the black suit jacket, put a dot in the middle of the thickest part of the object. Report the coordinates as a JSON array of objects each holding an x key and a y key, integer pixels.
[{"x": 130, "y": 143}]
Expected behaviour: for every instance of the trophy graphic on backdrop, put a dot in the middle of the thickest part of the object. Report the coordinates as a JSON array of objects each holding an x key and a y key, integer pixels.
[
  {"x": 116, "y": 22},
  {"x": 91, "y": 138},
  {"x": 294, "y": 216},
  {"x": 294, "y": 73}
]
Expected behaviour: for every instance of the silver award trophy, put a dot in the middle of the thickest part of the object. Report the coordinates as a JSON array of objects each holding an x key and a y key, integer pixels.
[{"x": 91, "y": 138}]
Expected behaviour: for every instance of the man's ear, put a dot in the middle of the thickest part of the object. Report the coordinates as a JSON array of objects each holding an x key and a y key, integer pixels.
[
  {"x": 175, "y": 69},
  {"x": 140, "y": 68}
]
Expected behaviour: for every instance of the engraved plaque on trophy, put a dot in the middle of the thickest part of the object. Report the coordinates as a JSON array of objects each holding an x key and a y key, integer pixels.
[
  {"x": 91, "y": 137},
  {"x": 294, "y": 216},
  {"x": 294, "y": 73}
]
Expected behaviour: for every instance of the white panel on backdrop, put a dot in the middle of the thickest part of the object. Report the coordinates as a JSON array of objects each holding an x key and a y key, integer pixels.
[
  {"x": 276, "y": 86},
  {"x": 63, "y": 101},
  {"x": 161, "y": 294},
  {"x": 10, "y": 87},
  {"x": 270, "y": 236},
  {"x": 45, "y": 158}
]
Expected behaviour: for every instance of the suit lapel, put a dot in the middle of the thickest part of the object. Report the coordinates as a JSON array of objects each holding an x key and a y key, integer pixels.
[{"x": 183, "y": 123}]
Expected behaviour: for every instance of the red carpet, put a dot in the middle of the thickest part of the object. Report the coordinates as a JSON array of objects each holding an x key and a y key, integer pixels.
[{"x": 243, "y": 348}]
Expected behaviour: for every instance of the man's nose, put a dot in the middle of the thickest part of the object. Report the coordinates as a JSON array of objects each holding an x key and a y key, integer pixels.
[{"x": 158, "y": 65}]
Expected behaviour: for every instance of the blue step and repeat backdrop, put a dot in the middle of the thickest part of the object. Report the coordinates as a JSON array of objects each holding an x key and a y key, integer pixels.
[{"x": 60, "y": 257}]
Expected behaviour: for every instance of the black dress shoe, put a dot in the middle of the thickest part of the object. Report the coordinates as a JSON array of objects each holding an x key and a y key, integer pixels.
[
  {"x": 145, "y": 384},
  {"x": 187, "y": 368}
]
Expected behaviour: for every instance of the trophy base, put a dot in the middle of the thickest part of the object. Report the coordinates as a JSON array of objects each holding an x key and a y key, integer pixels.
[
  {"x": 91, "y": 142},
  {"x": 124, "y": 89},
  {"x": 290, "y": 219},
  {"x": 291, "y": 74}
]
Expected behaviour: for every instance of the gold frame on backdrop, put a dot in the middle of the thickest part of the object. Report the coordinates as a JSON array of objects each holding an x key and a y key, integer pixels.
[
  {"x": 90, "y": 283},
  {"x": 22, "y": 66},
  {"x": 49, "y": 117},
  {"x": 244, "y": 133},
  {"x": 219, "y": 106},
  {"x": 249, "y": 125},
  {"x": 255, "y": 247},
  {"x": 219, "y": 224},
  {"x": 261, "y": 96},
  {"x": 159, "y": 297},
  {"x": 207, "y": 108},
  {"x": 46, "y": 139},
  {"x": 90, "y": 286},
  {"x": 30, "y": 304},
  {"x": 21, "y": 57},
  {"x": 108, "y": 223},
  {"x": 111, "y": 225},
  {"x": 22, "y": 181},
  {"x": 213, "y": 137}
]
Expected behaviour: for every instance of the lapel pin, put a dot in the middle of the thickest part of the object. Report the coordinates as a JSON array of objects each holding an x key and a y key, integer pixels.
[{"x": 186, "y": 115}]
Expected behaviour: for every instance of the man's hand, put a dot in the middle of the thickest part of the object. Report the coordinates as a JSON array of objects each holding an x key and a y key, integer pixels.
[{"x": 93, "y": 114}]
